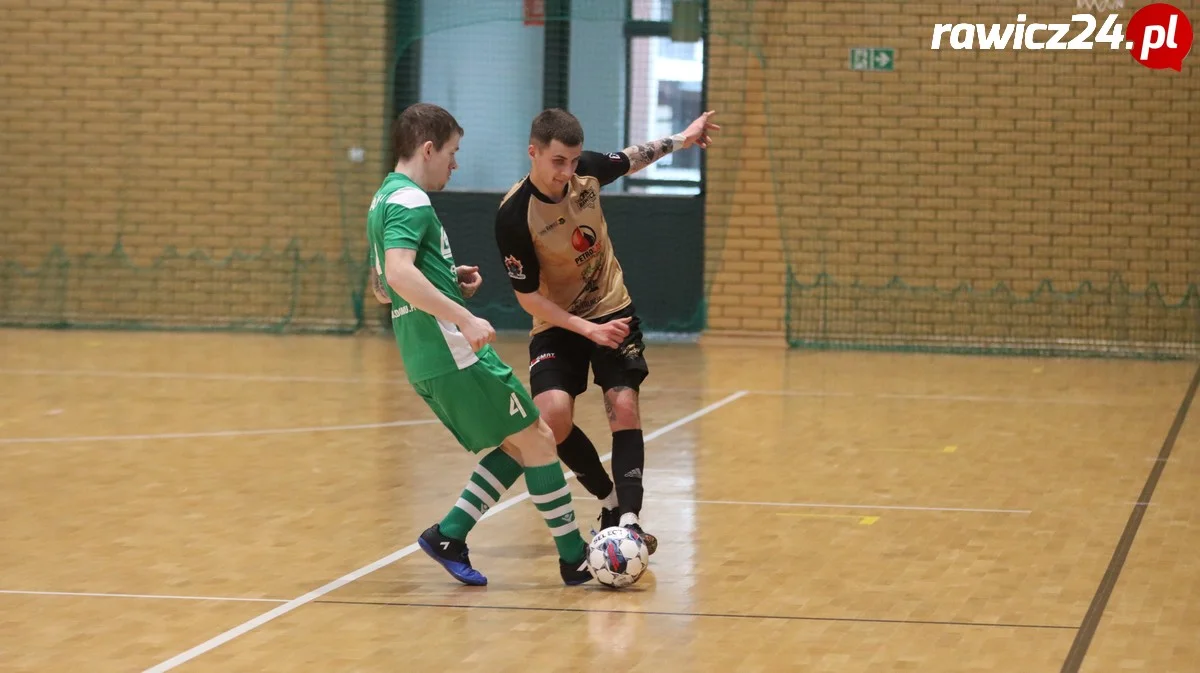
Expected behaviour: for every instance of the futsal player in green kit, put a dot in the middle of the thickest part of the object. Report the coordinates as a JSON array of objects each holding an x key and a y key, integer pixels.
[{"x": 447, "y": 356}]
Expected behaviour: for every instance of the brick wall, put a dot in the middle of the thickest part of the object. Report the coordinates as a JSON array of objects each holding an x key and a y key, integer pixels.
[
  {"x": 208, "y": 125},
  {"x": 974, "y": 167},
  {"x": 221, "y": 125}
]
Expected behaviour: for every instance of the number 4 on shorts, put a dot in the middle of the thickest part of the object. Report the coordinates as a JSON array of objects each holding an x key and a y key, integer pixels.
[{"x": 514, "y": 406}]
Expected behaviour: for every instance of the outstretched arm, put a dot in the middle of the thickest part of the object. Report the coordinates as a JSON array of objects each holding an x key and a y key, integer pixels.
[{"x": 641, "y": 156}]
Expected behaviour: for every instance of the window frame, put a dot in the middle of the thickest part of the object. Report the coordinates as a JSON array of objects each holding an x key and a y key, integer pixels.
[{"x": 642, "y": 28}]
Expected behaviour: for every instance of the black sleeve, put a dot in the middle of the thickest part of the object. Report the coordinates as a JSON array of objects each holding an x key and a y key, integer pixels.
[
  {"x": 516, "y": 245},
  {"x": 603, "y": 167}
]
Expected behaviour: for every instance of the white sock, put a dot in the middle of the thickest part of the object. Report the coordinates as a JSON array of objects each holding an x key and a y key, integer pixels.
[
  {"x": 629, "y": 519},
  {"x": 610, "y": 502}
]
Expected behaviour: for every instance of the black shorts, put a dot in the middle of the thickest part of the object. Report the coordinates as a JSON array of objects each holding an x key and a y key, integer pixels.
[{"x": 559, "y": 359}]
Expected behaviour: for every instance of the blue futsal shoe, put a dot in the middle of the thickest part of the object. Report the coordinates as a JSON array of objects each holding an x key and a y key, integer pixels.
[{"x": 452, "y": 554}]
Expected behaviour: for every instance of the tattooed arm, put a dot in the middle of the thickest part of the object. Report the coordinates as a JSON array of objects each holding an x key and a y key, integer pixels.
[{"x": 641, "y": 156}]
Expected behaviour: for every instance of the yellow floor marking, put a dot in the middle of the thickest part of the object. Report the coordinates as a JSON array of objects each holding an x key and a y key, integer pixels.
[{"x": 862, "y": 520}]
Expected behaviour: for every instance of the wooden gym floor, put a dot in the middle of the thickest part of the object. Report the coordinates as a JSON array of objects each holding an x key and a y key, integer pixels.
[{"x": 230, "y": 503}]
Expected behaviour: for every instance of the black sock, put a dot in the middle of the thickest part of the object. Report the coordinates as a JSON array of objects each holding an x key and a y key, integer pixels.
[
  {"x": 579, "y": 455},
  {"x": 628, "y": 461}
]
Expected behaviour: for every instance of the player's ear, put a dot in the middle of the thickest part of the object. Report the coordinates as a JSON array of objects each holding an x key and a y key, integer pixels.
[
  {"x": 532, "y": 151},
  {"x": 427, "y": 149}
]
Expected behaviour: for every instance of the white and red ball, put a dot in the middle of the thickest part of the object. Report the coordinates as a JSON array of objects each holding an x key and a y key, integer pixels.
[{"x": 617, "y": 557}]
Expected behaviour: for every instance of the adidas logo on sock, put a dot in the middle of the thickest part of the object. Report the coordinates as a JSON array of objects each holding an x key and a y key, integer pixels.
[{"x": 635, "y": 473}]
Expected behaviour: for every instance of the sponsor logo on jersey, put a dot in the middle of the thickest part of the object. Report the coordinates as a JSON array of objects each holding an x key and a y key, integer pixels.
[
  {"x": 588, "y": 255},
  {"x": 583, "y": 303},
  {"x": 591, "y": 271},
  {"x": 586, "y": 199},
  {"x": 552, "y": 226},
  {"x": 583, "y": 238},
  {"x": 402, "y": 311}
]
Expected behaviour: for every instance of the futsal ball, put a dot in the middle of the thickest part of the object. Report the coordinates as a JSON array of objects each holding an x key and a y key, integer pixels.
[{"x": 617, "y": 557}]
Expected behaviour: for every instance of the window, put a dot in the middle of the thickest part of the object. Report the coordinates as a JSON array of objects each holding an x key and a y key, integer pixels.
[
  {"x": 650, "y": 10},
  {"x": 483, "y": 70},
  {"x": 664, "y": 93},
  {"x": 635, "y": 73},
  {"x": 680, "y": 51}
]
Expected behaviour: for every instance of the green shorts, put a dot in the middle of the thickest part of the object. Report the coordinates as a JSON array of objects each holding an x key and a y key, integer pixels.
[{"x": 482, "y": 404}]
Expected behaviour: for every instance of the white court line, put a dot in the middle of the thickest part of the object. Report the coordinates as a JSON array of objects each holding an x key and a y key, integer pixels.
[
  {"x": 342, "y": 581},
  {"x": 83, "y": 594},
  {"x": 101, "y": 373},
  {"x": 218, "y": 433},
  {"x": 1002, "y": 398},
  {"x": 830, "y": 505},
  {"x": 1018, "y": 399}
]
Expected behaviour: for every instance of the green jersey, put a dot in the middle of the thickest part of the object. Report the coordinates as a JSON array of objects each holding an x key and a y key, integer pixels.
[{"x": 401, "y": 216}]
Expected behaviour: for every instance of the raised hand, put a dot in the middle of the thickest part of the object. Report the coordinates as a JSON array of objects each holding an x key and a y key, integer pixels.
[{"x": 697, "y": 132}]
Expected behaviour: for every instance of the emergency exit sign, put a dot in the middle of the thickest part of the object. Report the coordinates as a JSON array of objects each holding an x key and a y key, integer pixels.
[{"x": 873, "y": 59}]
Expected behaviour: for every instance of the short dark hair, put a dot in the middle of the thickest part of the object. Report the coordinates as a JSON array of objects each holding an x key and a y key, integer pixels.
[
  {"x": 418, "y": 123},
  {"x": 556, "y": 124}
]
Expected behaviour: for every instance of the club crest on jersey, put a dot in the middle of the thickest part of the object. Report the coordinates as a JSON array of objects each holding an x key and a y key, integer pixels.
[
  {"x": 514, "y": 267},
  {"x": 586, "y": 199}
]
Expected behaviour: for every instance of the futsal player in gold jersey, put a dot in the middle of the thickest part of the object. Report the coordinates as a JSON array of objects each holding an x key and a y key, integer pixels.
[{"x": 553, "y": 238}]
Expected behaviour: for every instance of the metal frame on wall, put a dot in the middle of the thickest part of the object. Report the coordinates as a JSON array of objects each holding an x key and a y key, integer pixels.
[
  {"x": 403, "y": 50},
  {"x": 556, "y": 55},
  {"x": 646, "y": 28}
]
